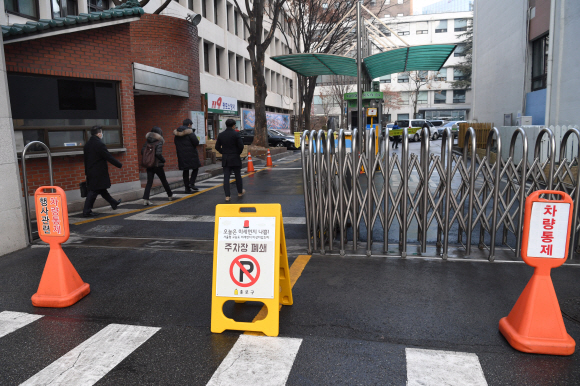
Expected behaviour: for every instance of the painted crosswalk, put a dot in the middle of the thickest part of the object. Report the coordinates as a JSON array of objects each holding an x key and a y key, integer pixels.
[{"x": 251, "y": 360}]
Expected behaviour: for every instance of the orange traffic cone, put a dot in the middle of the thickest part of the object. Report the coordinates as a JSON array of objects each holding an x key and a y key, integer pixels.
[
  {"x": 60, "y": 285},
  {"x": 250, "y": 163},
  {"x": 535, "y": 324},
  {"x": 269, "y": 159}
]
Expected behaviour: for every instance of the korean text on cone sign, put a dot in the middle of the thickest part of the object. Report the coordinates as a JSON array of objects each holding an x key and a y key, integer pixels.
[{"x": 535, "y": 323}]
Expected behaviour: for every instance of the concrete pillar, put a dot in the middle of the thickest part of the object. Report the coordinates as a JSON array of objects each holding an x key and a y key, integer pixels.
[{"x": 12, "y": 223}]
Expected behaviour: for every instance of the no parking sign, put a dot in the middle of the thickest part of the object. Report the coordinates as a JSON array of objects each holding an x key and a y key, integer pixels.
[{"x": 250, "y": 264}]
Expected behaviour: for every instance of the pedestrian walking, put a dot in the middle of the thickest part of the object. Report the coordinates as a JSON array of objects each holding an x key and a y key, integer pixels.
[
  {"x": 229, "y": 143},
  {"x": 396, "y": 138},
  {"x": 97, "y": 172},
  {"x": 186, "y": 143},
  {"x": 152, "y": 159}
]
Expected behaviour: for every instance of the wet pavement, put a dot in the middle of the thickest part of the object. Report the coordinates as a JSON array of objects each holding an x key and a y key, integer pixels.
[{"x": 356, "y": 320}]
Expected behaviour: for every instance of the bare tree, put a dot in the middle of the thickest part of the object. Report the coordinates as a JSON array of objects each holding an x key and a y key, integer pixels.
[
  {"x": 260, "y": 16},
  {"x": 339, "y": 86},
  {"x": 417, "y": 80},
  {"x": 327, "y": 103},
  {"x": 391, "y": 99}
]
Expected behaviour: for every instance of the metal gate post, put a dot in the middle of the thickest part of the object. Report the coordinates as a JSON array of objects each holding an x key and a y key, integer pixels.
[
  {"x": 25, "y": 181},
  {"x": 470, "y": 133},
  {"x": 305, "y": 166},
  {"x": 497, "y": 178},
  {"x": 330, "y": 175},
  {"x": 387, "y": 186},
  {"x": 341, "y": 174},
  {"x": 425, "y": 143},
  {"x": 552, "y": 148},
  {"x": 447, "y": 155},
  {"x": 405, "y": 183},
  {"x": 320, "y": 142},
  {"x": 370, "y": 172},
  {"x": 313, "y": 212},
  {"x": 355, "y": 157},
  {"x": 563, "y": 144}
]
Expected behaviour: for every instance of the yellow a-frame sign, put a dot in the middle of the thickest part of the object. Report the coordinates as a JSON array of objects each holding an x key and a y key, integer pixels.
[{"x": 250, "y": 263}]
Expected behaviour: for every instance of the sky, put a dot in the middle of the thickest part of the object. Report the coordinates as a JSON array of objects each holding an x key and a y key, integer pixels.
[{"x": 418, "y": 4}]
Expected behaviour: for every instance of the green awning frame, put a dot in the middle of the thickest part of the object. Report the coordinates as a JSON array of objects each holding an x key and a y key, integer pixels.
[
  {"x": 318, "y": 64},
  {"x": 417, "y": 58}
]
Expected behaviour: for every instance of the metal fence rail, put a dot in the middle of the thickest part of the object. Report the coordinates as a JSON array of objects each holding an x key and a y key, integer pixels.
[{"x": 347, "y": 199}]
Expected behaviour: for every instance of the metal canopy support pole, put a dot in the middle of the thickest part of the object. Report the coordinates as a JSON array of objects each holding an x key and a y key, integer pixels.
[{"x": 359, "y": 90}]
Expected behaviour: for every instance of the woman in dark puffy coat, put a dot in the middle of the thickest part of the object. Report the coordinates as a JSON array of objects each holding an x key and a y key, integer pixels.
[
  {"x": 186, "y": 143},
  {"x": 155, "y": 137}
]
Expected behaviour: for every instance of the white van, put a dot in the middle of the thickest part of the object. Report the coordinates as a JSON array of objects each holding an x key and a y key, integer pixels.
[{"x": 414, "y": 127}]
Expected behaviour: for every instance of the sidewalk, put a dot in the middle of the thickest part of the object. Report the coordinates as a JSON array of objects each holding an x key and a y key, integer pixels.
[{"x": 175, "y": 181}]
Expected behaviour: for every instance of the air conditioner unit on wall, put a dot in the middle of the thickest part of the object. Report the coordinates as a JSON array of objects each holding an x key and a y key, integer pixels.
[{"x": 524, "y": 121}]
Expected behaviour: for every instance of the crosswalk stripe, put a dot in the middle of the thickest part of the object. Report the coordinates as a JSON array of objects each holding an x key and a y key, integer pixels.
[
  {"x": 11, "y": 321},
  {"x": 449, "y": 368},
  {"x": 94, "y": 358},
  {"x": 257, "y": 360}
]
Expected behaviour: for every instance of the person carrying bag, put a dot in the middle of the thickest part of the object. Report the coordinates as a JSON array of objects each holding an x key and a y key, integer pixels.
[{"x": 152, "y": 159}]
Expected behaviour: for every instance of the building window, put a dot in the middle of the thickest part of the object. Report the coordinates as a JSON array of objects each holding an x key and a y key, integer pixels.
[
  {"x": 203, "y": 8},
  {"x": 206, "y": 57},
  {"x": 68, "y": 8},
  {"x": 403, "y": 29},
  {"x": 218, "y": 69},
  {"x": 404, "y": 97},
  {"x": 422, "y": 98},
  {"x": 422, "y": 27},
  {"x": 423, "y": 75},
  {"x": 215, "y": 11},
  {"x": 403, "y": 77},
  {"x": 539, "y": 62},
  {"x": 402, "y": 116},
  {"x": 373, "y": 3},
  {"x": 25, "y": 8},
  {"x": 399, "y": 1},
  {"x": 229, "y": 7},
  {"x": 441, "y": 75},
  {"x": 236, "y": 22},
  {"x": 459, "y": 50},
  {"x": 385, "y": 79},
  {"x": 458, "y": 74},
  {"x": 440, "y": 97},
  {"x": 190, "y": 4},
  {"x": 441, "y": 27},
  {"x": 61, "y": 111},
  {"x": 458, "y": 96},
  {"x": 387, "y": 1},
  {"x": 400, "y": 14},
  {"x": 460, "y": 25}
]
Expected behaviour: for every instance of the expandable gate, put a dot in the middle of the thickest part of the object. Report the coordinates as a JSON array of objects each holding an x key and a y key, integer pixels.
[{"x": 481, "y": 199}]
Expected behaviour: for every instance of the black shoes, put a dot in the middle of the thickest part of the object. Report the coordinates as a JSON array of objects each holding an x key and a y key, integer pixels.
[
  {"x": 91, "y": 214},
  {"x": 188, "y": 190},
  {"x": 194, "y": 188},
  {"x": 115, "y": 207}
]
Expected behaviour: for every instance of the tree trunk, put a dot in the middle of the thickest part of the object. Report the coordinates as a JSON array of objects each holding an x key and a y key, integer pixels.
[
  {"x": 308, "y": 97},
  {"x": 260, "y": 94},
  {"x": 301, "y": 126}
]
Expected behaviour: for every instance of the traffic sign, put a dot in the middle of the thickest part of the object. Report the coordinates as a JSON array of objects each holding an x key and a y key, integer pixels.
[
  {"x": 535, "y": 323},
  {"x": 250, "y": 263},
  {"x": 60, "y": 284}
]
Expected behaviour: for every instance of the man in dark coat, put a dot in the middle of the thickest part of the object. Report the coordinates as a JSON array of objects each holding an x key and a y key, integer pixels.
[
  {"x": 155, "y": 138},
  {"x": 230, "y": 144},
  {"x": 186, "y": 143},
  {"x": 97, "y": 172}
]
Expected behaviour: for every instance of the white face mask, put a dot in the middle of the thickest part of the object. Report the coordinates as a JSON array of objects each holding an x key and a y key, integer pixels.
[{"x": 100, "y": 135}]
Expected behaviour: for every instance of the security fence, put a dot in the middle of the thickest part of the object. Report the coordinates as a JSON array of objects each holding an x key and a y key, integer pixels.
[{"x": 476, "y": 199}]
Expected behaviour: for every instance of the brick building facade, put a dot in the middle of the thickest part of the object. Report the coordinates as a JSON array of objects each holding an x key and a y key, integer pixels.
[{"x": 108, "y": 54}]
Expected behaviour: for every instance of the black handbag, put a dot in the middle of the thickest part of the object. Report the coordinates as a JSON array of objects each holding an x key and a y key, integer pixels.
[{"x": 84, "y": 190}]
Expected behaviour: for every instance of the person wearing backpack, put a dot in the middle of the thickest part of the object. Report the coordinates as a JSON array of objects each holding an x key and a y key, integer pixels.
[
  {"x": 152, "y": 159},
  {"x": 186, "y": 143}
]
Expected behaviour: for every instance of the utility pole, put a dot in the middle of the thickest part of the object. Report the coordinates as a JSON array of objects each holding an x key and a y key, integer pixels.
[{"x": 361, "y": 126}]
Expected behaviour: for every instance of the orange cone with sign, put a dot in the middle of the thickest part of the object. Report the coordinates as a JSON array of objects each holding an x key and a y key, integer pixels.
[
  {"x": 60, "y": 284},
  {"x": 250, "y": 163},
  {"x": 269, "y": 159},
  {"x": 535, "y": 323}
]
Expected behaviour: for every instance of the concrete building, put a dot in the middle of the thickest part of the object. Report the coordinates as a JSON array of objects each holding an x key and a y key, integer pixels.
[
  {"x": 436, "y": 99},
  {"x": 445, "y": 6},
  {"x": 525, "y": 61}
]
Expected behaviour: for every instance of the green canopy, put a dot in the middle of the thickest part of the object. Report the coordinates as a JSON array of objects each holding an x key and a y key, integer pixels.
[
  {"x": 318, "y": 64},
  {"x": 417, "y": 58}
]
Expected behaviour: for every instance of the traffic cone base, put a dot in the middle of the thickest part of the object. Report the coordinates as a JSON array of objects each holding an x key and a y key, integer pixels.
[
  {"x": 60, "y": 285},
  {"x": 269, "y": 159},
  {"x": 535, "y": 324},
  {"x": 250, "y": 163}
]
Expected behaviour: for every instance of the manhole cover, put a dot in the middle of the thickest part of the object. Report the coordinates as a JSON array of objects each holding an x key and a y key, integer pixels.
[{"x": 105, "y": 228}]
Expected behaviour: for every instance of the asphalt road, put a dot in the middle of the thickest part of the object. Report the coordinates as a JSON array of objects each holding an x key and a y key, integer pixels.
[{"x": 354, "y": 321}]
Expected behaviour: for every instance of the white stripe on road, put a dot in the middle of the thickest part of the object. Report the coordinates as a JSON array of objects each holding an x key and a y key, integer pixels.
[
  {"x": 11, "y": 321},
  {"x": 148, "y": 216},
  {"x": 257, "y": 360},
  {"x": 94, "y": 358},
  {"x": 438, "y": 368}
]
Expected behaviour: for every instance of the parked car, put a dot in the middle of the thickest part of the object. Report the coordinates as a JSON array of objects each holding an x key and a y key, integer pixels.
[
  {"x": 438, "y": 122},
  {"x": 414, "y": 127},
  {"x": 275, "y": 138},
  {"x": 453, "y": 125}
]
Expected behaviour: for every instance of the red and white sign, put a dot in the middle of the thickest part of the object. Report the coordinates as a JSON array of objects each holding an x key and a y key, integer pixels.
[
  {"x": 246, "y": 257},
  {"x": 222, "y": 104},
  {"x": 548, "y": 229}
]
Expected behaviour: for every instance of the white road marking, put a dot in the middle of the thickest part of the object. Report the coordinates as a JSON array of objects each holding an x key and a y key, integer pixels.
[
  {"x": 94, "y": 358},
  {"x": 257, "y": 360},
  {"x": 148, "y": 216},
  {"x": 11, "y": 321},
  {"x": 443, "y": 368}
]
